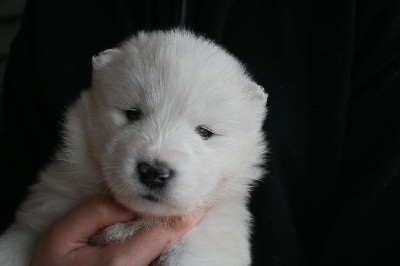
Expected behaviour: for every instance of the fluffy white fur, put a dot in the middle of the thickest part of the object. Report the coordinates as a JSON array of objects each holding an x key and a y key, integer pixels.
[{"x": 179, "y": 81}]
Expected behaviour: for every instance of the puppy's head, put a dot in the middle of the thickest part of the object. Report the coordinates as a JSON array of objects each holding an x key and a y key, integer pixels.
[{"x": 174, "y": 122}]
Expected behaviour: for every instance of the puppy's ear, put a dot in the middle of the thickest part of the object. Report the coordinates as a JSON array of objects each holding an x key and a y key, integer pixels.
[
  {"x": 103, "y": 58},
  {"x": 256, "y": 94}
]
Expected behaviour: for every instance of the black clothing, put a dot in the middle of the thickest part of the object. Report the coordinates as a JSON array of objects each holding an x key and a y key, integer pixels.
[{"x": 332, "y": 71}]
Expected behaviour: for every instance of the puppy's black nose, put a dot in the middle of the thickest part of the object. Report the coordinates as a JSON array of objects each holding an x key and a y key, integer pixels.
[{"x": 154, "y": 175}]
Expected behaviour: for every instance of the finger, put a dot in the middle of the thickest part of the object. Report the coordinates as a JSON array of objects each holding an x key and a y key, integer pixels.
[
  {"x": 148, "y": 244},
  {"x": 87, "y": 218}
]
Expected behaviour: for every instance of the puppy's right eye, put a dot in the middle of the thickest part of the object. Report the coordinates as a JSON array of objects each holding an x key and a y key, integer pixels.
[{"x": 133, "y": 115}]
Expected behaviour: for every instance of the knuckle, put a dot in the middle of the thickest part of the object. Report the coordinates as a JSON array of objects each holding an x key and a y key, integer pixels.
[
  {"x": 97, "y": 205},
  {"x": 51, "y": 235},
  {"x": 183, "y": 223}
]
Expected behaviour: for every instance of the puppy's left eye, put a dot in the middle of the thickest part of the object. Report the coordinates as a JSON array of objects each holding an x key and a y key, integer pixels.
[
  {"x": 133, "y": 115},
  {"x": 204, "y": 132}
]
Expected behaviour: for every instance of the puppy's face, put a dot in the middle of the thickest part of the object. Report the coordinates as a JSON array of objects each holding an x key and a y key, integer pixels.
[{"x": 174, "y": 122}]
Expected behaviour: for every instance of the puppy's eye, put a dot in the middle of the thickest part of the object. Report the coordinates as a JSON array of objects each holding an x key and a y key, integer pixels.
[
  {"x": 204, "y": 132},
  {"x": 133, "y": 115}
]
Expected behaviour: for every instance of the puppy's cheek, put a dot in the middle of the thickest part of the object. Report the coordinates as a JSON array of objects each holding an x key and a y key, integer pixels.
[
  {"x": 194, "y": 185},
  {"x": 117, "y": 165}
]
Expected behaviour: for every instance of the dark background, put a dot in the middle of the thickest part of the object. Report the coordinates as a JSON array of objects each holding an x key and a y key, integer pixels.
[{"x": 10, "y": 20}]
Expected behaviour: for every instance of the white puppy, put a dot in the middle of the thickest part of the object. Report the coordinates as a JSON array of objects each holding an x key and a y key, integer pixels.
[{"x": 171, "y": 123}]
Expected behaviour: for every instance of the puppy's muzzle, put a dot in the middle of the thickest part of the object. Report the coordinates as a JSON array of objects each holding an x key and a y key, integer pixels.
[{"x": 154, "y": 174}]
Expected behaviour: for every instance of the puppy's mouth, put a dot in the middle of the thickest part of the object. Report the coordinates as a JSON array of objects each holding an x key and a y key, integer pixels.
[{"x": 150, "y": 198}]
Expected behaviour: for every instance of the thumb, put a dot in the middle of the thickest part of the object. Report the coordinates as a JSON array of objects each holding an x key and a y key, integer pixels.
[
  {"x": 97, "y": 212},
  {"x": 149, "y": 243}
]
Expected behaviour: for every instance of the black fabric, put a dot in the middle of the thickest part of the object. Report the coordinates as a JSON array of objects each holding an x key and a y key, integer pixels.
[{"x": 332, "y": 71}]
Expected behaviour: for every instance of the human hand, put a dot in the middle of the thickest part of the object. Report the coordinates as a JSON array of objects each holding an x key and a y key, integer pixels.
[{"x": 66, "y": 242}]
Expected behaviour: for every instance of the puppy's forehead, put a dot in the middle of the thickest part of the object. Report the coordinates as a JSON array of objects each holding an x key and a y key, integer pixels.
[
  {"x": 178, "y": 67},
  {"x": 176, "y": 70}
]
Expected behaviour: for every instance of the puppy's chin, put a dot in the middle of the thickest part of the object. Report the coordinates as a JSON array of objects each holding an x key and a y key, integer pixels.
[{"x": 148, "y": 205}]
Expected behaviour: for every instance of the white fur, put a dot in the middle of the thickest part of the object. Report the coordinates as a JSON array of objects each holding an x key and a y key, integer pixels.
[{"x": 179, "y": 81}]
